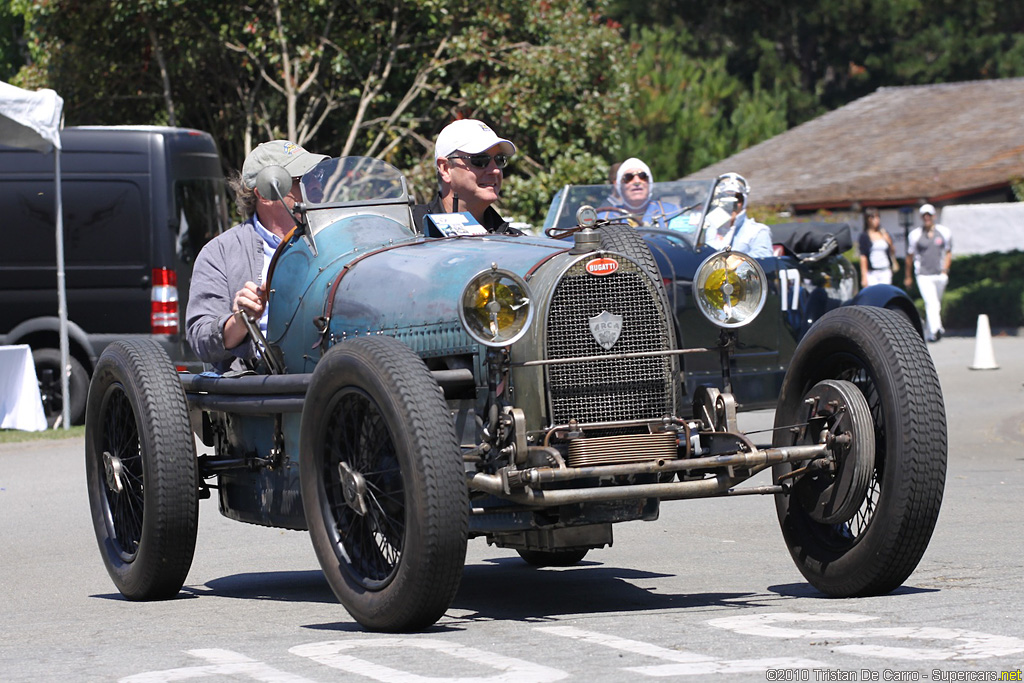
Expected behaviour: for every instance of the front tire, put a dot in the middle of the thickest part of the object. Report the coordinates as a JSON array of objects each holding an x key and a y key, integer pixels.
[
  {"x": 383, "y": 485},
  {"x": 627, "y": 241},
  {"x": 141, "y": 470},
  {"x": 874, "y": 551}
]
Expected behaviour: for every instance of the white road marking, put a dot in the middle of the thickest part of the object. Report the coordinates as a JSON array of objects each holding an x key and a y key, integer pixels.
[
  {"x": 511, "y": 670},
  {"x": 221, "y": 663},
  {"x": 962, "y": 644},
  {"x": 684, "y": 663}
]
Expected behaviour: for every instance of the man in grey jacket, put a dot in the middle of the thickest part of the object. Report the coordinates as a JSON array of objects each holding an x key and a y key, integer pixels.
[{"x": 229, "y": 276}]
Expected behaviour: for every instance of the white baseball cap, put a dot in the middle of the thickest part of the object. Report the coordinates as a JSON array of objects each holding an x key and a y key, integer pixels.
[
  {"x": 469, "y": 136},
  {"x": 927, "y": 208},
  {"x": 284, "y": 153}
]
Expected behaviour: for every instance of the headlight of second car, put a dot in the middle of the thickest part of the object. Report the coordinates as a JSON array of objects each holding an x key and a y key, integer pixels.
[
  {"x": 495, "y": 307},
  {"x": 730, "y": 288}
]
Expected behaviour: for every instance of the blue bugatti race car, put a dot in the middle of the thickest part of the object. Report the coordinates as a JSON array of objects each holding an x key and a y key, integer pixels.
[{"x": 422, "y": 385}]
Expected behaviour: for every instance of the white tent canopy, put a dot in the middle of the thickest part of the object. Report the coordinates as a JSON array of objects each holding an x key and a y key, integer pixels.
[{"x": 32, "y": 119}]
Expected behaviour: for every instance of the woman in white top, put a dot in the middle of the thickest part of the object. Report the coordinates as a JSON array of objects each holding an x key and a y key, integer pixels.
[{"x": 876, "y": 251}]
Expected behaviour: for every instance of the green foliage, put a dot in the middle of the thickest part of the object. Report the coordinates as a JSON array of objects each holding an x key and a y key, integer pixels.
[
  {"x": 550, "y": 78},
  {"x": 12, "y": 53},
  {"x": 1001, "y": 300},
  {"x": 690, "y": 112},
  {"x": 992, "y": 284},
  {"x": 378, "y": 79}
]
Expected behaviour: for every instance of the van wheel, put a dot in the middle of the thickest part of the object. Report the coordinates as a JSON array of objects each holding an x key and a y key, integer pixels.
[{"x": 48, "y": 374}]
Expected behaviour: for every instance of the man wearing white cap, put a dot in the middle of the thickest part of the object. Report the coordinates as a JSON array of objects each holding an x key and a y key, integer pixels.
[
  {"x": 469, "y": 158},
  {"x": 228, "y": 279},
  {"x": 930, "y": 251}
]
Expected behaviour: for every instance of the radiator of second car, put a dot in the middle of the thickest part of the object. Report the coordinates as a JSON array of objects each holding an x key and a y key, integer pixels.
[{"x": 612, "y": 389}]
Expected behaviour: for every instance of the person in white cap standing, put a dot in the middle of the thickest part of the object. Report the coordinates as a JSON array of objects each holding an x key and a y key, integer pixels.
[
  {"x": 930, "y": 252},
  {"x": 469, "y": 158},
  {"x": 228, "y": 279}
]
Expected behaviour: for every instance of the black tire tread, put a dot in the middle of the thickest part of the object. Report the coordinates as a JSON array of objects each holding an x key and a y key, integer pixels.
[
  {"x": 917, "y": 444},
  {"x": 171, "y": 513},
  {"x": 425, "y": 595}
]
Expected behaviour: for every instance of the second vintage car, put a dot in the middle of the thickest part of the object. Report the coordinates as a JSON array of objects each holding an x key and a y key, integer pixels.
[
  {"x": 425, "y": 385},
  {"x": 807, "y": 274}
]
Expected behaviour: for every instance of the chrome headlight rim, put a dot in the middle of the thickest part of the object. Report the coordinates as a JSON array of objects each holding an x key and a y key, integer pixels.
[
  {"x": 734, "y": 261},
  {"x": 495, "y": 275}
]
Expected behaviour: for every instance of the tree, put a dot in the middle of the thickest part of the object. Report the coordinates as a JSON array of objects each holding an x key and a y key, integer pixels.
[
  {"x": 12, "y": 51},
  {"x": 688, "y": 112},
  {"x": 378, "y": 79}
]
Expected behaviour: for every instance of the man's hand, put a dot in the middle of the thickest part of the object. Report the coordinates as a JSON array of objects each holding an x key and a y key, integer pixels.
[{"x": 251, "y": 300}]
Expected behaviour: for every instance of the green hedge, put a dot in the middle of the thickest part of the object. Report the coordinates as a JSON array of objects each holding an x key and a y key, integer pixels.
[{"x": 992, "y": 284}]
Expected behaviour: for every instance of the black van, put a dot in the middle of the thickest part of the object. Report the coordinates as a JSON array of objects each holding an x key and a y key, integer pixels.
[{"x": 139, "y": 203}]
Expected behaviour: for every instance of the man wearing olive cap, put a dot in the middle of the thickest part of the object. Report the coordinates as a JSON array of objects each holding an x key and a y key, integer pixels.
[
  {"x": 469, "y": 158},
  {"x": 228, "y": 279}
]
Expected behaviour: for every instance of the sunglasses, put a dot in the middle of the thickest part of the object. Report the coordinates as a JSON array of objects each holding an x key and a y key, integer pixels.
[
  {"x": 483, "y": 160},
  {"x": 628, "y": 177}
]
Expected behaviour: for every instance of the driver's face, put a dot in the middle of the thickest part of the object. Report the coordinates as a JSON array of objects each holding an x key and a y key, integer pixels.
[
  {"x": 275, "y": 217},
  {"x": 637, "y": 188}
]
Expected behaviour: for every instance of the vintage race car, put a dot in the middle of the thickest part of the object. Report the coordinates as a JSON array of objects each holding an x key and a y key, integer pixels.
[
  {"x": 807, "y": 277},
  {"x": 424, "y": 385}
]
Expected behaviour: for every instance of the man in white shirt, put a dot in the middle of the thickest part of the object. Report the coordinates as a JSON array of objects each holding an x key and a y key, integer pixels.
[{"x": 930, "y": 252}]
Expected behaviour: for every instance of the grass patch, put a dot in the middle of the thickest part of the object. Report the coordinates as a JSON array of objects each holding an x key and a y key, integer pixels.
[{"x": 16, "y": 435}]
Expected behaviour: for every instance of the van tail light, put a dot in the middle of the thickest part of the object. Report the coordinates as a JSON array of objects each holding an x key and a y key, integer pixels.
[{"x": 163, "y": 305}]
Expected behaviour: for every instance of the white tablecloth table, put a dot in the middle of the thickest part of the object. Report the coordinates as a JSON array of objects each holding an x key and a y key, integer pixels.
[{"x": 20, "y": 404}]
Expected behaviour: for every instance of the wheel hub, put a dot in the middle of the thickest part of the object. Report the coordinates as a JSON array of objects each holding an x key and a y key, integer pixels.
[
  {"x": 353, "y": 487},
  {"x": 114, "y": 471},
  {"x": 832, "y": 490}
]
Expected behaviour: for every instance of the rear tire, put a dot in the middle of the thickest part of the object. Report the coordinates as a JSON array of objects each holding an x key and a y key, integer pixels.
[
  {"x": 141, "y": 470},
  {"x": 880, "y": 546},
  {"x": 383, "y": 485}
]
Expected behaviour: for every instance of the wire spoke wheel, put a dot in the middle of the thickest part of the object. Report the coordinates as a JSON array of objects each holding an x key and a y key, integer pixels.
[
  {"x": 875, "y": 548},
  {"x": 370, "y": 534},
  {"x": 141, "y": 470},
  {"x": 383, "y": 484},
  {"x": 122, "y": 464}
]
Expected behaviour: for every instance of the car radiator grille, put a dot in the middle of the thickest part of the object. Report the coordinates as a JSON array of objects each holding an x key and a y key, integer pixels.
[{"x": 608, "y": 390}]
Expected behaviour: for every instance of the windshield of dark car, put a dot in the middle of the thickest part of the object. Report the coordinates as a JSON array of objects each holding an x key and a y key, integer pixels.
[{"x": 688, "y": 195}]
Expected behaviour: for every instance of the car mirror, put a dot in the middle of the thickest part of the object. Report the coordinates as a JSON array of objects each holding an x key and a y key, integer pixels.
[
  {"x": 716, "y": 218},
  {"x": 273, "y": 183}
]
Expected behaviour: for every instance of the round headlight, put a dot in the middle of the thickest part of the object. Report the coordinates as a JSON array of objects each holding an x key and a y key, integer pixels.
[
  {"x": 730, "y": 288},
  {"x": 495, "y": 307}
]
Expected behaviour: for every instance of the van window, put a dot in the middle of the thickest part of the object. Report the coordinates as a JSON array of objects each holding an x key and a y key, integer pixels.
[
  {"x": 202, "y": 215},
  {"x": 104, "y": 222}
]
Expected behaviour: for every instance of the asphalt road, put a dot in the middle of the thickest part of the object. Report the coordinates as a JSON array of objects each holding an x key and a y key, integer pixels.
[{"x": 708, "y": 592}]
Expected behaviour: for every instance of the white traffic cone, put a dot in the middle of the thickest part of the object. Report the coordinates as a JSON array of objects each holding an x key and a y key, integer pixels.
[{"x": 984, "y": 357}]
